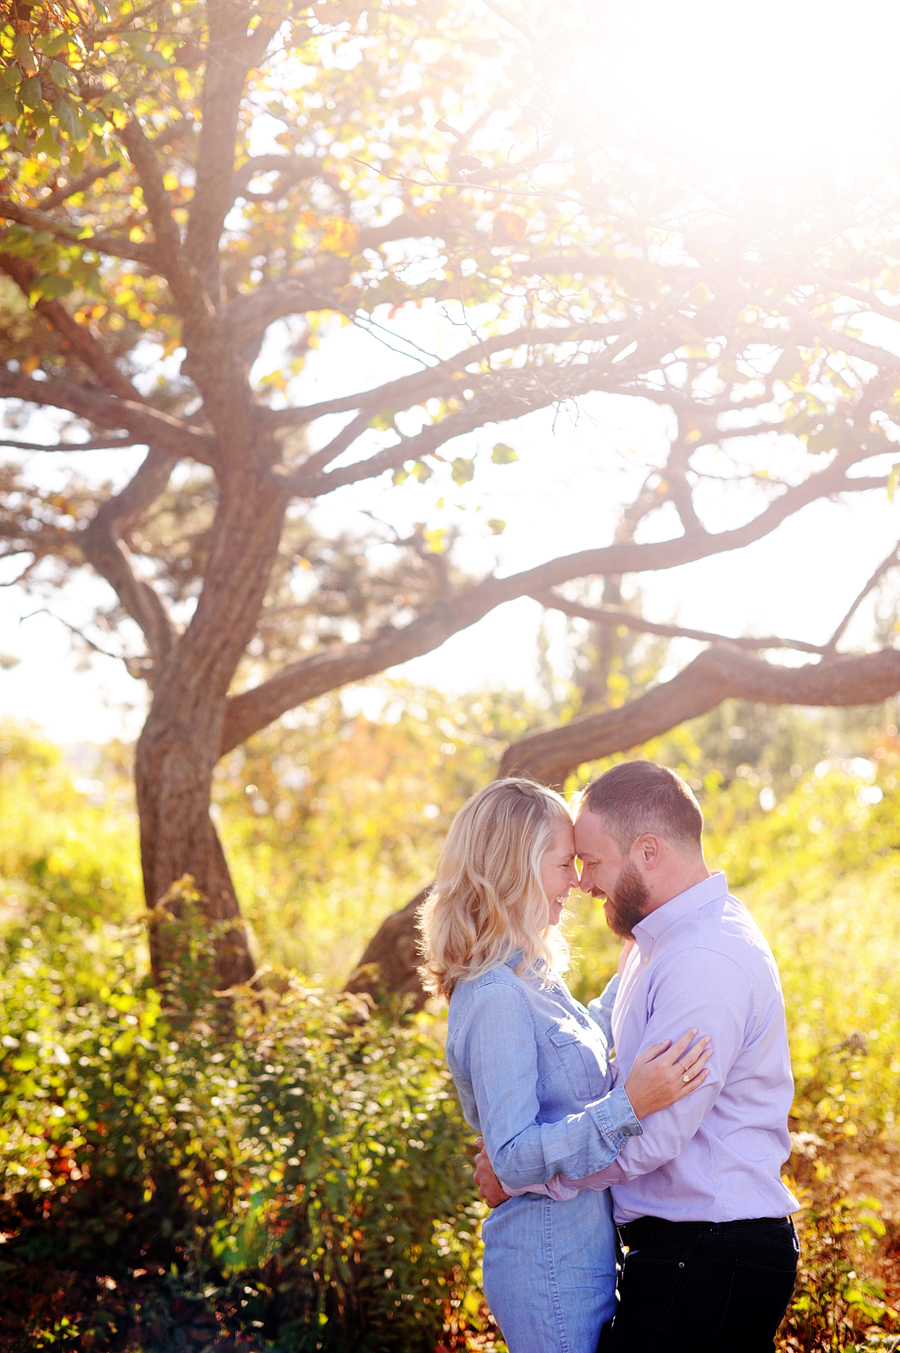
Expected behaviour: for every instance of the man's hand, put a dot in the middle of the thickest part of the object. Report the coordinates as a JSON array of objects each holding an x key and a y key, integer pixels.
[{"x": 489, "y": 1185}]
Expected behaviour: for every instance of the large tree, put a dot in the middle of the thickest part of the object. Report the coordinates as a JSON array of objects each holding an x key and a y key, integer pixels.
[{"x": 197, "y": 194}]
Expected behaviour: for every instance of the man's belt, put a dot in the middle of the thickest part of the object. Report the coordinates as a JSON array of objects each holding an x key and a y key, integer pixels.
[{"x": 643, "y": 1230}]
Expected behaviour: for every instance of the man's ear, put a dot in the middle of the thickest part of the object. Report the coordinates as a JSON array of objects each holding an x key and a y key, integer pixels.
[{"x": 649, "y": 850}]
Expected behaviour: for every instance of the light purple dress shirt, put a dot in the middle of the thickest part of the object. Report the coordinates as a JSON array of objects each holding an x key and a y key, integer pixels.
[{"x": 702, "y": 962}]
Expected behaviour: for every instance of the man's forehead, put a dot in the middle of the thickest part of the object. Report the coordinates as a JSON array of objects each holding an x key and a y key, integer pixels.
[{"x": 591, "y": 836}]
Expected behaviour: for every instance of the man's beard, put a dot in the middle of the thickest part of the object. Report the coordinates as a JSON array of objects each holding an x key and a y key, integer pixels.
[{"x": 629, "y": 903}]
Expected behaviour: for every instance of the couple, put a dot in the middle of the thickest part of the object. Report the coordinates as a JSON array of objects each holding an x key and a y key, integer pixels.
[{"x": 691, "y": 1152}]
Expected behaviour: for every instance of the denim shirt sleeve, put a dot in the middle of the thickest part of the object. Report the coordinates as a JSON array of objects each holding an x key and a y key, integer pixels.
[
  {"x": 496, "y": 1051},
  {"x": 601, "y": 1007}
]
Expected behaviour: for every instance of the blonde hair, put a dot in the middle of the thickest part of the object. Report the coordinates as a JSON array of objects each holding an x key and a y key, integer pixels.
[{"x": 487, "y": 901}]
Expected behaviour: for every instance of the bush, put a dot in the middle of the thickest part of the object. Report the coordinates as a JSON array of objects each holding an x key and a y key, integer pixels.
[{"x": 176, "y": 1174}]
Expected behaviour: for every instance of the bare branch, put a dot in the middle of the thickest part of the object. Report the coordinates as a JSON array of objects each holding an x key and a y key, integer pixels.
[
  {"x": 884, "y": 567},
  {"x": 145, "y": 424},
  {"x": 304, "y": 680},
  {"x": 615, "y": 615},
  {"x": 92, "y": 444},
  {"x": 104, "y": 548},
  {"x": 715, "y": 675},
  {"x": 451, "y": 372},
  {"x": 512, "y": 394},
  {"x": 132, "y": 664},
  {"x": 230, "y": 54}
]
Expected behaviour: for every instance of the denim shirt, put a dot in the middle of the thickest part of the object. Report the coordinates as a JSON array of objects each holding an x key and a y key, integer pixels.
[{"x": 532, "y": 1070}]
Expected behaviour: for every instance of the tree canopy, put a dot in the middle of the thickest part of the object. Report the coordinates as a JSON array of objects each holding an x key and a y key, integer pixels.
[{"x": 197, "y": 196}]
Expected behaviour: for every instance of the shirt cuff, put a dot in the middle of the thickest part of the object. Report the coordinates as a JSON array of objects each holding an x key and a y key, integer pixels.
[
  {"x": 614, "y": 1117},
  {"x": 559, "y": 1189}
]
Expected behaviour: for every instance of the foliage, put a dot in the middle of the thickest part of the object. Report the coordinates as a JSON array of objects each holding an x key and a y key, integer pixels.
[
  {"x": 836, "y": 1301},
  {"x": 129, "y": 1141},
  {"x": 330, "y": 821},
  {"x": 335, "y": 820},
  {"x": 292, "y": 1182}
]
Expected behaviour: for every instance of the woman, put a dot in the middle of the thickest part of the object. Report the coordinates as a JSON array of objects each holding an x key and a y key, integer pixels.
[{"x": 531, "y": 1065}]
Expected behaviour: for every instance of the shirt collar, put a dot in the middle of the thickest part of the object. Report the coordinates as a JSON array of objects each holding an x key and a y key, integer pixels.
[{"x": 648, "y": 931}]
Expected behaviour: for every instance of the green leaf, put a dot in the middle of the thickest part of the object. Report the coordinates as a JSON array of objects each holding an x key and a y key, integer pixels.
[
  {"x": 9, "y": 109},
  {"x": 69, "y": 121},
  {"x": 53, "y": 285},
  {"x": 421, "y": 471},
  {"x": 22, "y": 51},
  {"x": 62, "y": 77},
  {"x": 462, "y": 470},
  {"x": 497, "y": 526},
  {"x": 30, "y": 92},
  {"x": 54, "y": 44},
  {"x": 47, "y": 144},
  {"x": 399, "y": 475},
  {"x": 503, "y": 454}
]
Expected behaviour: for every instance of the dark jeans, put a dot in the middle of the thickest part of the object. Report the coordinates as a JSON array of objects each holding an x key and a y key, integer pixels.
[{"x": 695, "y": 1287}]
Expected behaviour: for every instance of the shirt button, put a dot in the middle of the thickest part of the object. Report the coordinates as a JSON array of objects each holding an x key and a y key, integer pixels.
[{"x": 647, "y": 959}]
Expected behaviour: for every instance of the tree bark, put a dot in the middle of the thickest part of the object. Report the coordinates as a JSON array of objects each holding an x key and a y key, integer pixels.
[
  {"x": 391, "y": 958},
  {"x": 180, "y": 743}
]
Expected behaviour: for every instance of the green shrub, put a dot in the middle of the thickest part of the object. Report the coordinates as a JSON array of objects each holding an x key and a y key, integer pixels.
[{"x": 175, "y": 1174}]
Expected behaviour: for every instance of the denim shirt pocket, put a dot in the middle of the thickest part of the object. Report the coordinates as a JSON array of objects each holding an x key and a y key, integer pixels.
[{"x": 577, "y": 1060}]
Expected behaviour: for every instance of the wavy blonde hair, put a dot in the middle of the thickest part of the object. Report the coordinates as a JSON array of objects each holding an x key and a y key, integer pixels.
[{"x": 488, "y": 901}]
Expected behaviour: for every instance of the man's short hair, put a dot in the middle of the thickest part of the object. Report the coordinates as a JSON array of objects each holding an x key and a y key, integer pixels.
[{"x": 637, "y": 797}]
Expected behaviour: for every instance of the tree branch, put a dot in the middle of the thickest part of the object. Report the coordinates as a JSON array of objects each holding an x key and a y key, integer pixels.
[
  {"x": 113, "y": 246},
  {"x": 230, "y": 53},
  {"x": 310, "y": 677},
  {"x": 715, "y": 675},
  {"x": 194, "y": 303},
  {"x": 512, "y": 394},
  {"x": 615, "y": 615},
  {"x": 92, "y": 444},
  {"x": 82, "y": 340},
  {"x": 884, "y": 567},
  {"x": 441, "y": 378},
  {"x": 145, "y": 424},
  {"x": 105, "y": 550}
]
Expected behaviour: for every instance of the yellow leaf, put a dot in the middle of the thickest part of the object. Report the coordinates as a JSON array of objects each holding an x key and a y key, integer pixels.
[{"x": 340, "y": 236}]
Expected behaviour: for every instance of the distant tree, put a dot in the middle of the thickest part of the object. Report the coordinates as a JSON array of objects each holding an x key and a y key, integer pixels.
[{"x": 183, "y": 180}]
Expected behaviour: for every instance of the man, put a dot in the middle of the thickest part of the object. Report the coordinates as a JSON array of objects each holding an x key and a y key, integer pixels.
[{"x": 698, "y": 1197}]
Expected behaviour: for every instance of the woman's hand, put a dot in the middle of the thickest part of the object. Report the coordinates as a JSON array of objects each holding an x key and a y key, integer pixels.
[
  {"x": 666, "y": 1073},
  {"x": 489, "y": 1185}
]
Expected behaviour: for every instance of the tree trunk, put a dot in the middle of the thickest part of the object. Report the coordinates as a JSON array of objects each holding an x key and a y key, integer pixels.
[
  {"x": 391, "y": 959},
  {"x": 180, "y": 743}
]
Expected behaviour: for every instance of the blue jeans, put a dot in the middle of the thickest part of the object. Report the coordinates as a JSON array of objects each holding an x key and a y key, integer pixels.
[
  {"x": 703, "y": 1287},
  {"x": 550, "y": 1271}
]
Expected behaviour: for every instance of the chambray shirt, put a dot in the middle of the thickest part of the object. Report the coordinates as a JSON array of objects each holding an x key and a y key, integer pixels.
[
  {"x": 702, "y": 962},
  {"x": 532, "y": 1069}
]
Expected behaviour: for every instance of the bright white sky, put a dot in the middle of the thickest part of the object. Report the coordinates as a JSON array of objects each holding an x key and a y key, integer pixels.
[{"x": 787, "y": 90}]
